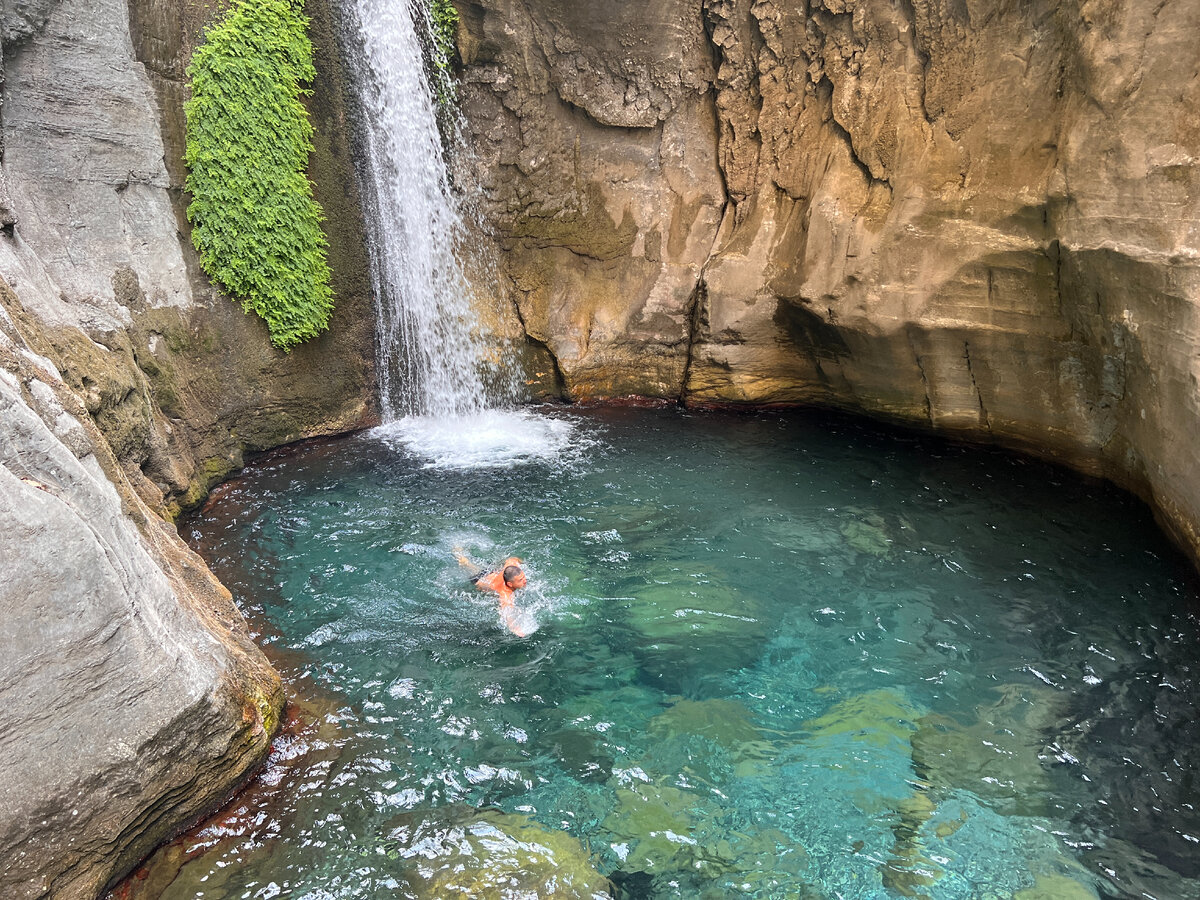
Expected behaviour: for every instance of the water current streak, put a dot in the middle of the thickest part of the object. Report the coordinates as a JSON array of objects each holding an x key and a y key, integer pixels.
[{"x": 429, "y": 343}]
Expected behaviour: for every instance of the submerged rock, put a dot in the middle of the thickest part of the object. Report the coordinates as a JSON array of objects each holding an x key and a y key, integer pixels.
[
  {"x": 883, "y": 718},
  {"x": 1056, "y": 887},
  {"x": 688, "y": 634},
  {"x": 997, "y": 756},
  {"x": 868, "y": 536},
  {"x": 669, "y": 833},
  {"x": 502, "y": 855},
  {"x": 654, "y": 827},
  {"x": 726, "y": 723}
]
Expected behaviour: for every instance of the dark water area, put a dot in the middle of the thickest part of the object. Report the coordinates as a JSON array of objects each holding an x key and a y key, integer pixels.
[{"x": 770, "y": 655}]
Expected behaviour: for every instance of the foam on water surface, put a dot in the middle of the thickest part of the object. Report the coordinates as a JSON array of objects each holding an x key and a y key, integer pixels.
[{"x": 488, "y": 439}]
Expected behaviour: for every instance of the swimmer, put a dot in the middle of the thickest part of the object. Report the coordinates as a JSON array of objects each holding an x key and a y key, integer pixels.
[{"x": 504, "y": 581}]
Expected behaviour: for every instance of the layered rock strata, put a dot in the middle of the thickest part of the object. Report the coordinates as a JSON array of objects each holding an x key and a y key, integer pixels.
[
  {"x": 976, "y": 217},
  {"x": 180, "y": 380},
  {"x": 133, "y": 698}
]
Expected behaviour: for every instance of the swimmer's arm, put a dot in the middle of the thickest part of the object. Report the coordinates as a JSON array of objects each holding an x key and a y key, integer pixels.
[
  {"x": 508, "y": 615},
  {"x": 471, "y": 569}
]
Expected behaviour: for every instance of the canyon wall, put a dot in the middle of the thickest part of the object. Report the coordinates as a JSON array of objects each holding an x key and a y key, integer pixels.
[
  {"x": 133, "y": 700},
  {"x": 978, "y": 217},
  {"x": 974, "y": 216}
]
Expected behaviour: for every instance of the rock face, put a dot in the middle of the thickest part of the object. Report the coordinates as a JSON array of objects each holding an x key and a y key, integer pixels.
[
  {"x": 131, "y": 696},
  {"x": 597, "y": 133},
  {"x": 133, "y": 700},
  {"x": 979, "y": 217},
  {"x": 180, "y": 380}
]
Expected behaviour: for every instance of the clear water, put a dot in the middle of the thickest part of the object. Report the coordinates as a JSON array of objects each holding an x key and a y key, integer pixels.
[{"x": 772, "y": 656}]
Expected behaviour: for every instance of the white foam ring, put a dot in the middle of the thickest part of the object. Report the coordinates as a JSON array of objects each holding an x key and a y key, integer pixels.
[{"x": 488, "y": 439}]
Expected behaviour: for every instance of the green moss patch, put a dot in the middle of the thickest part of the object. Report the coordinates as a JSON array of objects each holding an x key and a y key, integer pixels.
[{"x": 255, "y": 222}]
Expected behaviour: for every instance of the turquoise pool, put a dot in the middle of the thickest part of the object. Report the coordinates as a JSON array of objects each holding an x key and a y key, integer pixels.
[{"x": 772, "y": 655}]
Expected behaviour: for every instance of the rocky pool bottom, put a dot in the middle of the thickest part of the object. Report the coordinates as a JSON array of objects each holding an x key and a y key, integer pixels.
[{"x": 772, "y": 655}]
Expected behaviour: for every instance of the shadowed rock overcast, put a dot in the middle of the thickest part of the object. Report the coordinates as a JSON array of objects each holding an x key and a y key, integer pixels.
[{"x": 979, "y": 218}]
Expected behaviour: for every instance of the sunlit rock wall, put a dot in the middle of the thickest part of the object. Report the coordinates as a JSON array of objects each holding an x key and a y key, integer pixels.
[
  {"x": 595, "y": 129},
  {"x": 131, "y": 698},
  {"x": 976, "y": 216}
]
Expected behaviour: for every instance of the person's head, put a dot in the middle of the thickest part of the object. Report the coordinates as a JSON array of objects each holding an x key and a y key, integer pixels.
[{"x": 514, "y": 578}]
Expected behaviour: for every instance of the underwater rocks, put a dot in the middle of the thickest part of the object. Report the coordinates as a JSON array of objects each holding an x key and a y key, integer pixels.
[
  {"x": 687, "y": 636},
  {"x": 659, "y": 830},
  {"x": 989, "y": 758},
  {"x": 496, "y": 854}
]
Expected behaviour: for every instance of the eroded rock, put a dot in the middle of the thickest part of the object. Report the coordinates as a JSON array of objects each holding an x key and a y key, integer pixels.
[
  {"x": 597, "y": 139},
  {"x": 976, "y": 218},
  {"x": 131, "y": 696},
  {"x": 134, "y": 701}
]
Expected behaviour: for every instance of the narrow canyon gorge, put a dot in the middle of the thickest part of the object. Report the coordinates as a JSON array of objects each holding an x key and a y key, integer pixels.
[{"x": 975, "y": 218}]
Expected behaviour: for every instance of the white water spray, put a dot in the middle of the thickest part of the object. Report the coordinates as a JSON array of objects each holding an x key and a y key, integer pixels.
[
  {"x": 441, "y": 399},
  {"x": 430, "y": 348}
]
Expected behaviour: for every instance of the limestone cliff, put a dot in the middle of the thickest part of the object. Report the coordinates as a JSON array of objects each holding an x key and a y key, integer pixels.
[
  {"x": 975, "y": 216},
  {"x": 179, "y": 379},
  {"x": 133, "y": 698}
]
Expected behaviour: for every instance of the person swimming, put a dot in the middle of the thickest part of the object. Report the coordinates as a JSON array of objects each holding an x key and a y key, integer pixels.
[{"x": 504, "y": 582}]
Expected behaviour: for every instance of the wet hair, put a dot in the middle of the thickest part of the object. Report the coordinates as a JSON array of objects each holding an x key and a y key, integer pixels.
[{"x": 511, "y": 573}]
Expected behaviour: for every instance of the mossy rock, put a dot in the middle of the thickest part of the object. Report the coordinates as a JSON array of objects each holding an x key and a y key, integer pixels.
[
  {"x": 585, "y": 227},
  {"x": 996, "y": 756},
  {"x": 662, "y": 830},
  {"x": 1056, "y": 887},
  {"x": 880, "y": 718},
  {"x": 726, "y": 723},
  {"x": 868, "y": 535},
  {"x": 108, "y": 382},
  {"x": 654, "y": 825},
  {"x": 599, "y": 705},
  {"x": 503, "y": 855},
  {"x": 692, "y": 626},
  {"x": 908, "y": 871},
  {"x": 583, "y": 753}
]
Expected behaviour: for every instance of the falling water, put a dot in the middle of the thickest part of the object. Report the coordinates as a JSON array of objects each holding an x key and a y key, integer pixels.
[{"x": 431, "y": 351}]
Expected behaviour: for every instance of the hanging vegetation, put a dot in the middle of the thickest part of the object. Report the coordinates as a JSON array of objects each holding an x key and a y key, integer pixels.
[
  {"x": 443, "y": 20},
  {"x": 445, "y": 24},
  {"x": 255, "y": 222}
]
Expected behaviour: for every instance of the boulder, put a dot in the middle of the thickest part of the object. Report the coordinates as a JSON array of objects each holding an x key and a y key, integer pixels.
[
  {"x": 503, "y": 855},
  {"x": 132, "y": 699}
]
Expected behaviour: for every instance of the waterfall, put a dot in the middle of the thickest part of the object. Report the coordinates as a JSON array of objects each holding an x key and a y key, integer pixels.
[
  {"x": 443, "y": 399},
  {"x": 431, "y": 352}
]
